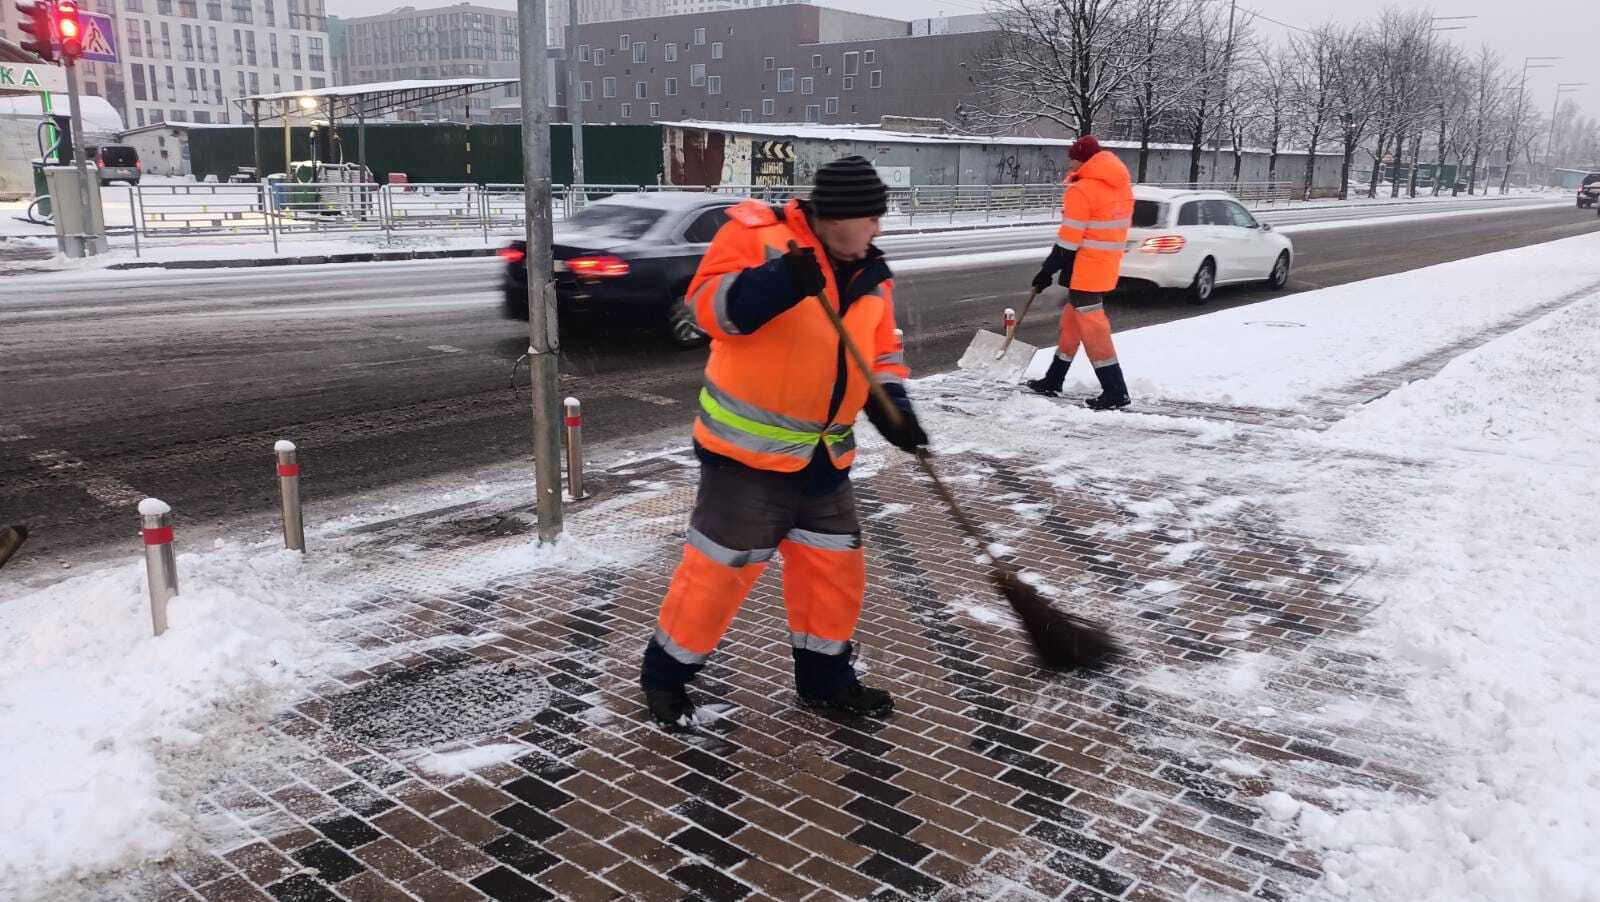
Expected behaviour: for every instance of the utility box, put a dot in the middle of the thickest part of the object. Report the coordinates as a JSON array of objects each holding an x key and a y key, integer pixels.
[{"x": 70, "y": 223}]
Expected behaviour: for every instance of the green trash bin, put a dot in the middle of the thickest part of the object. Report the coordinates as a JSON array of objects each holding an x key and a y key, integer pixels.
[{"x": 40, "y": 190}]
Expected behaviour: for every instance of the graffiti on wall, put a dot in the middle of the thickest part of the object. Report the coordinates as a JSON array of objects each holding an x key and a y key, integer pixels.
[{"x": 735, "y": 160}]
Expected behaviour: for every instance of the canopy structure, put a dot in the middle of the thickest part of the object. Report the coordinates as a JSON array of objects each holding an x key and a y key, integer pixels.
[{"x": 357, "y": 102}]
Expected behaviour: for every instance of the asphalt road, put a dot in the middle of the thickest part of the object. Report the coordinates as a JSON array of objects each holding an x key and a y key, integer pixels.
[{"x": 176, "y": 384}]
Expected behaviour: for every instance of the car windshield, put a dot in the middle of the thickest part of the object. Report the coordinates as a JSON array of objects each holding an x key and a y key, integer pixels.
[
  {"x": 620, "y": 220},
  {"x": 1591, "y": 178},
  {"x": 119, "y": 156},
  {"x": 1146, "y": 214}
]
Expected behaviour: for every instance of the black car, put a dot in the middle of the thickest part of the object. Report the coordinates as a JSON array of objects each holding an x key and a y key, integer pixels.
[
  {"x": 1589, "y": 191},
  {"x": 629, "y": 255}
]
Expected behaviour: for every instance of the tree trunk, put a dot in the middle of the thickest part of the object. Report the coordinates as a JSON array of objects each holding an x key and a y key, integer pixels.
[
  {"x": 1344, "y": 169},
  {"x": 1144, "y": 150},
  {"x": 1311, "y": 160},
  {"x": 1472, "y": 175},
  {"x": 1440, "y": 172},
  {"x": 1416, "y": 163},
  {"x": 1377, "y": 165},
  {"x": 1196, "y": 148}
]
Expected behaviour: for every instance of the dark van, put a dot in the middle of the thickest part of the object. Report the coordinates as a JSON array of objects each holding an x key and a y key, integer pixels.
[{"x": 116, "y": 163}]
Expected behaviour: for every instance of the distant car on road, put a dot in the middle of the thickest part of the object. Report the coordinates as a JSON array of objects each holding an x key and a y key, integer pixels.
[
  {"x": 1589, "y": 191},
  {"x": 116, "y": 163},
  {"x": 1198, "y": 241},
  {"x": 627, "y": 255}
]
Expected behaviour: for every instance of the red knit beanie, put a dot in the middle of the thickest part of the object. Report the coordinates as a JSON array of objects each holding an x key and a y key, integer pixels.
[{"x": 1084, "y": 148}]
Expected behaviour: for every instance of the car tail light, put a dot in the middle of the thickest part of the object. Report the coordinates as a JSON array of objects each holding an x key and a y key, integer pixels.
[
  {"x": 598, "y": 267},
  {"x": 1162, "y": 244},
  {"x": 512, "y": 254}
]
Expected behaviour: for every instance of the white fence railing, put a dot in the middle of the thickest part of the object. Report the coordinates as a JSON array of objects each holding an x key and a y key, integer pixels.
[{"x": 281, "y": 208}]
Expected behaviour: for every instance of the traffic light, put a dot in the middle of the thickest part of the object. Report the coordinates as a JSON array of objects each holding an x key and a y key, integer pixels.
[
  {"x": 69, "y": 29},
  {"x": 35, "y": 22}
]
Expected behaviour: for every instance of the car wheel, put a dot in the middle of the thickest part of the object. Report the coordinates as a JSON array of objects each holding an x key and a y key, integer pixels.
[
  {"x": 1280, "y": 273},
  {"x": 1204, "y": 284},
  {"x": 681, "y": 327}
]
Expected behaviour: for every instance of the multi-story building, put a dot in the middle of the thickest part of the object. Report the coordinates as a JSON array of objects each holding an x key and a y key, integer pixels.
[
  {"x": 186, "y": 60},
  {"x": 460, "y": 41},
  {"x": 558, "y": 17},
  {"x": 99, "y": 79},
  {"x": 790, "y": 63}
]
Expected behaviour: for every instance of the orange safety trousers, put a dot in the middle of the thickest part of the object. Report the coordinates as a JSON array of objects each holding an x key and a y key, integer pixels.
[
  {"x": 744, "y": 517},
  {"x": 1084, "y": 321}
]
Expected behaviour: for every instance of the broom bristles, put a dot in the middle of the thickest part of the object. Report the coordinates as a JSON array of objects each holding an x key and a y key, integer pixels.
[{"x": 1062, "y": 642}]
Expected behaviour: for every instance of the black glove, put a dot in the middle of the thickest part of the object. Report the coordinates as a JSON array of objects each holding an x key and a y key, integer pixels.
[
  {"x": 1060, "y": 259},
  {"x": 903, "y": 432},
  {"x": 804, "y": 272},
  {"x": 1043, "y": 279}
]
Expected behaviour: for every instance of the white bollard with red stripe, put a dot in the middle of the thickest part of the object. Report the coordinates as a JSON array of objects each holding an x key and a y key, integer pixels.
[
  {"x": 160, "y": 564},
  {"x": 1009, "y": 320},
  {"x": 294, "y": 527},
  {"x": 574, "y": 424}
]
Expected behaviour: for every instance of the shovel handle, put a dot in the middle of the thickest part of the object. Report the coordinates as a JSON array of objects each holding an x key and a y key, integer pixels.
[
  {"x": 1011, "y": 334},
  {"x": 891, "y": 409}
]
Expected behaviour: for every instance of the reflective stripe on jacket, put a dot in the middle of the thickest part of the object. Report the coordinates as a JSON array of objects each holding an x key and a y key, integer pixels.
[
  {"x": 1096, "y": 211},
  {"x": 772, "y": 395}
]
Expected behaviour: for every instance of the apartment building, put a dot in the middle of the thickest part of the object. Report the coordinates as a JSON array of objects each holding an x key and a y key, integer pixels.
[
  {"x": 790, "y": 63},
  {"x": 187, "y": 60},
  {"x": 627, "y": 10},
  {"x": 99, "y": 79},
  {"x": 460, "y": 41}
]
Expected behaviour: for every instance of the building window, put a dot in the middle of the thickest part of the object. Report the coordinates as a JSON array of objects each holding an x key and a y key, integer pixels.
[
  {"x": 639, "y": 53},
  {"x": 816, "y": 61},
  {"x": 585, "y": 91},
  {"x": 314, "y": 57},
  {"x": 641, "y": 90},
  {"x": 813, "y": 113},
  {"x": 785, "y": 81},
  {"x": 770, "y": 63},
  {"x": 672, "y": 87},
  {"x": 608, "y": 87},
  {"x": 583, "y": 53},
  {"x": 716, "y": 50},
  {"x": 808, "y": 85},
  {"x": 747, "y": 116},
  {"x": 627, "y": 110},
  {"x": 767, "y": 106},
  {"x": 869, "y": 56},
  {"x": 875, "y": 79},
  {"x": 655, "y": 111},
  {"x": 714, "y": 84},
  {"x": 852, "y": 63},
  {"x": 599, "y": 56},
  {"x": 831, "y": 105},
  {"x": 622, "y": 42},
  {"x": 697, "y": 75},
  {"x": 699, "y": 37},
  {"x": 671, "y": 54},
  {"x": 848, "y": 83}
]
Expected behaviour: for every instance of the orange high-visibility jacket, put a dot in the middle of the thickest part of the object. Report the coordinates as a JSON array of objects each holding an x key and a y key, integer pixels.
[
  {"x": 769, "y": 397},
  {"x": 1096, "y": 211}
]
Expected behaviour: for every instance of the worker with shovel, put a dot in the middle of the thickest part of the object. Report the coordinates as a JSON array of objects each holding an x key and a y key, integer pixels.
[
  {"x": 774, "y": 436},
  {"x": 1096, "y": 211}
]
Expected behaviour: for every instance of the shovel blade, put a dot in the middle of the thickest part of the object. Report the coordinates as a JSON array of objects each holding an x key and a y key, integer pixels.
[{"x": 983, "y": 357}]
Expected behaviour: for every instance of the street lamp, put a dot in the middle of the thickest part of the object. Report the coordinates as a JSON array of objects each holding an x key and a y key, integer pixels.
[
  {"x": 308, "y": 103},
  {"x": 1528, "y": 62},
  {"x": 1565, "y": 87}
]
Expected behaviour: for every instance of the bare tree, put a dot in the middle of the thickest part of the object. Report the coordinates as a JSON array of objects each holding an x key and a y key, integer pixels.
[
  {"x": 1060, "y": 61},
  {"x": 1313, "y": 78},
  {"x": 1202, "y": 62},
  {"x": 1157, "y": 86},
  {"x": 1484, "y": 112},
  {"x": 1357, "y": 104},
  {"x": 1273, "y": 90}
]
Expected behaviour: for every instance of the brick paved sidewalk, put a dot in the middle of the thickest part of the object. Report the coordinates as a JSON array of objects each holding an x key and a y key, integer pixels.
[{"x": 992, "y": 780}]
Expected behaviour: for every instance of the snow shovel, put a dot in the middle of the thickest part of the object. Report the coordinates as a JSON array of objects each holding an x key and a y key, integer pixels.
[
  {"x": 1000, "y": 357},
  {"x": 1062, "y": 641}
]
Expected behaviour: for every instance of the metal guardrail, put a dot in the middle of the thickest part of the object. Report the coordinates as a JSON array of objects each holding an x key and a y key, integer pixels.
[{"x": 280, "y": 208}]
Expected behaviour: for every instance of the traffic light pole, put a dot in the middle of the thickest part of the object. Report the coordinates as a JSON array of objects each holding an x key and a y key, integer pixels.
[{"x": 88, "y": 240}]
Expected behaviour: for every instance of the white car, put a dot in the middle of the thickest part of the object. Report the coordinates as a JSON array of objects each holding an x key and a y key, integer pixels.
[{"x": 1196, "y": 241}]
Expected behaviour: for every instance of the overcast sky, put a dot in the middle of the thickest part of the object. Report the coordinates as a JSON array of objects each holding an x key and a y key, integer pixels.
[{"x": 1527, "y": 28}]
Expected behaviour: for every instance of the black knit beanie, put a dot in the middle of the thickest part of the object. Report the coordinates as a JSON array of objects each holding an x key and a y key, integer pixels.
[{"x": 849, "y": 188}]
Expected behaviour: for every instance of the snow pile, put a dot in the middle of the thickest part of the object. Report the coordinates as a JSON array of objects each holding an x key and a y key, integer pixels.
[
  {"x": 1488, "y": 584},
  {"x": 105, "y": 723},
  {"x": 460, "y": 762}
]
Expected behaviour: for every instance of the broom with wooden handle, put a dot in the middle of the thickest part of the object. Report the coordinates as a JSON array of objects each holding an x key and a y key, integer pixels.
[{"x": 1062, "y": 641}]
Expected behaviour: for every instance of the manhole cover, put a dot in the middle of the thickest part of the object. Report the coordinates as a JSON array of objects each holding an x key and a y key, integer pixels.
[{"x": 438, "y": 703}]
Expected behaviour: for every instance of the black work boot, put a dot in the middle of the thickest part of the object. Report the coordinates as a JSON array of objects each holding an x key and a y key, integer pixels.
[
  {"x": 854, "y": 699},
  {"x": 1050, "y": 385},
  {"x": 671, "y": 709},
  {"x": 1113, "y": 390}
]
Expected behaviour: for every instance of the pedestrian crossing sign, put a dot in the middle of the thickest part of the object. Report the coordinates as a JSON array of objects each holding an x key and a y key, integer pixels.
[{"x": 99, "y": 41}]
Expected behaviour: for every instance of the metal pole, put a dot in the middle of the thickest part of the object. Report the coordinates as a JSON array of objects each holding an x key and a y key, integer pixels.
[
  {"x": 160, "y": 565},
  {"x": 286, "y": 151},
  {"x": 255, "y": 138},
  {"x": 543, "y": 343},
  {"x": 574, "y": 105},
  {"x": 574, "y": 424},
  {"x": 88, "y": 241},
  {"x": 1222, "y": 99},
  {"x": 294, "y": 528}
]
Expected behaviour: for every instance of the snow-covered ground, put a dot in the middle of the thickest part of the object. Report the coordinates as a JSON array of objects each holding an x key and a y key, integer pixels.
[{"x": 1471, "y": 494}]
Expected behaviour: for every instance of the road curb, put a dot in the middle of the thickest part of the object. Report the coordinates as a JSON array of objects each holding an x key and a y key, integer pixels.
[{"x": 370, "y": 257}]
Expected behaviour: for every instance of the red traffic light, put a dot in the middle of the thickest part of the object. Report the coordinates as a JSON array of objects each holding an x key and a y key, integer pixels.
[
  {"x": 69, "y": 29},
  {"x": 35, "y": 24}
]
